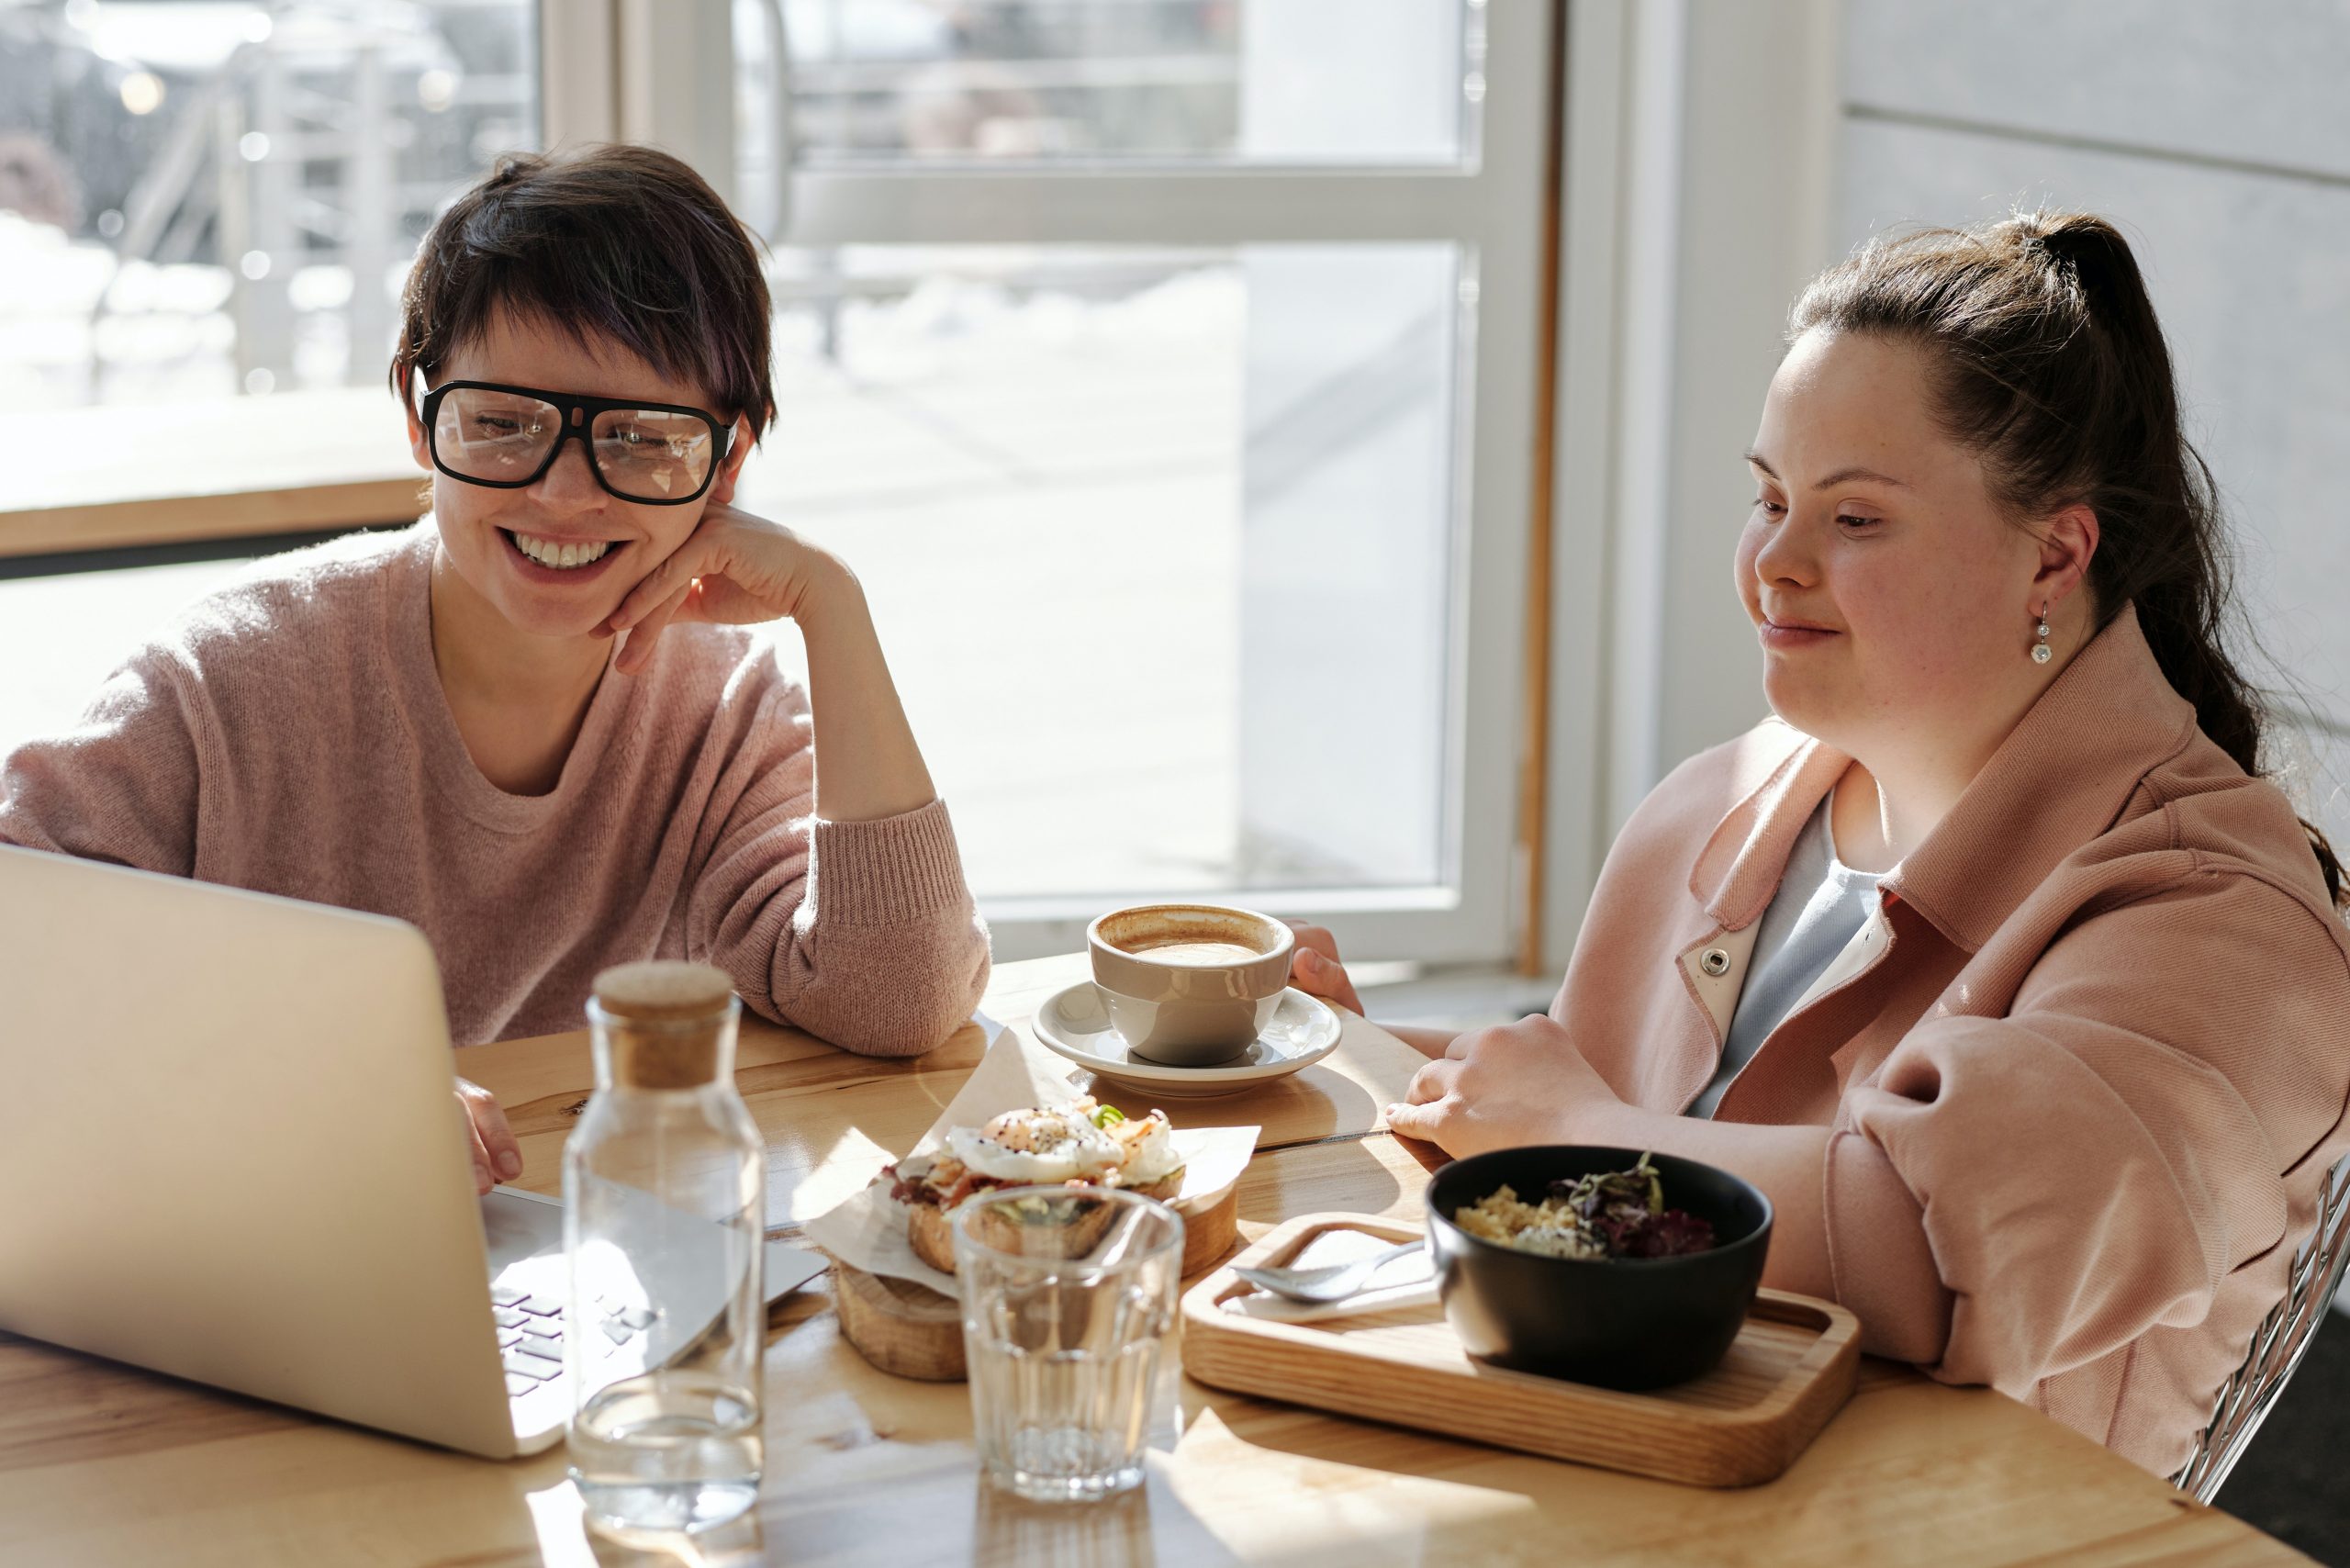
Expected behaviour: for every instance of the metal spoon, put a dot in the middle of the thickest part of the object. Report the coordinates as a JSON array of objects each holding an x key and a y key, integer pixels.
[{"x": 1334, "y": 1281}]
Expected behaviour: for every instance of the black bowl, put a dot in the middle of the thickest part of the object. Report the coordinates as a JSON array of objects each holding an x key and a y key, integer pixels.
[{"x": 1625, "y": 1323}]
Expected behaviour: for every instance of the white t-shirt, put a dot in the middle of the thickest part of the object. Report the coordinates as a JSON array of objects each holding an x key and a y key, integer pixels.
[{"x": 1820, "y": 906}]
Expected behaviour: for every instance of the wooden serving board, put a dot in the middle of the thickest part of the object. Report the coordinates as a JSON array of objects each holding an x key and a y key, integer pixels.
[
  {"x": 911, "y": 1330},
  {"x": 905, "y": 1329},
  {"x": 1790, "y": 1370}
]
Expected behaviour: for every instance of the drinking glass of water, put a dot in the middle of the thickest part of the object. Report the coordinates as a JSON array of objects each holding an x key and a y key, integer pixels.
[{"x": 1069, "y": 1332}]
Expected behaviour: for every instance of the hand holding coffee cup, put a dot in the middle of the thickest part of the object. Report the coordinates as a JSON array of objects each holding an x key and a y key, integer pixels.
[
  {"x": 1188, "y": 984},
  {"x": 1317, "y": 969}
]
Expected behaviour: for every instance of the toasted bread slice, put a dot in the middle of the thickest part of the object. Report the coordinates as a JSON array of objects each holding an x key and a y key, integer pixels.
[
  {"x": 1164, "y": 1189},
  {"x": 931, "y": 1231},
  {"x": 932, "y": 1236},
  {"x": 1070, "y": 1236}
]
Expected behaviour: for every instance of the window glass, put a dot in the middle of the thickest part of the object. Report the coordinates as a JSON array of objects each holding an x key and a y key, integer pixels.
[
  {"x": 1160, "y": 542},
  {"x": 199, "y": 199},
  {"x": 1123, "y": 80}
]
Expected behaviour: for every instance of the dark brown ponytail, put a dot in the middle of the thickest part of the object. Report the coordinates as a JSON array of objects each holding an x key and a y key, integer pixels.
[{"x": 2050, "y": 365}]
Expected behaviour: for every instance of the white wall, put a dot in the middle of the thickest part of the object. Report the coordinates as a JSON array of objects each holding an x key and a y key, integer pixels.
[
  {"x": 1698, "y": 164},
  {"x": 2218, "y": 139}
]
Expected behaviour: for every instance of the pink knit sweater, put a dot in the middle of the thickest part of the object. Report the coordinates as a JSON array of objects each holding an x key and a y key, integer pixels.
[{"x": 288, "y": 735}]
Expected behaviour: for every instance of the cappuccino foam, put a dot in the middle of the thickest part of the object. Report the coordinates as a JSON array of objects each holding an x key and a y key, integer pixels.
[{"x": 1181, "y": 950}]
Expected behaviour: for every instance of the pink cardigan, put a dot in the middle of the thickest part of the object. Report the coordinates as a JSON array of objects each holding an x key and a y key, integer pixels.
[
  {"x": 288, "y": 735},
  {"x": 2089, "y": 1071}
]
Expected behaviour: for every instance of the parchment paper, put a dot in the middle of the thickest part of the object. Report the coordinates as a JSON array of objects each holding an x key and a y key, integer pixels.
[{"x": 868, "y": 1229}]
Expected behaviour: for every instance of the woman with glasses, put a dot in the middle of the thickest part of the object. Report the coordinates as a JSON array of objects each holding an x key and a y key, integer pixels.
[
  {"x": 535, "y": 723},
  {"x": 1993, "y": 959}
]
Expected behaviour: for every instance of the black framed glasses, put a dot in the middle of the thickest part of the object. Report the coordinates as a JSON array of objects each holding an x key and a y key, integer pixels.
[{"x": 661, "y": 454}]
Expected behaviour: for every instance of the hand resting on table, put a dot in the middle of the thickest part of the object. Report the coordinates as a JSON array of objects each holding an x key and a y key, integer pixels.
[{"x": 496, "y": 1157}]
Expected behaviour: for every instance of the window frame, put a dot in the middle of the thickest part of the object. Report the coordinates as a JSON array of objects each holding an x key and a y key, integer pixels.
[
  {"x": 621, "y": 76},
  {"x": 605, "y": 71}
]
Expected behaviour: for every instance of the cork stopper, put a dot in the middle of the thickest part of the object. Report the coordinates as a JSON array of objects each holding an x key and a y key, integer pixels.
[{"x": 665, "y": 1021}]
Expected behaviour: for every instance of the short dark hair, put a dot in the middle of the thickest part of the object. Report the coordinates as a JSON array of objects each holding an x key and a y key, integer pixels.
[{"x": 612, "y": 241}]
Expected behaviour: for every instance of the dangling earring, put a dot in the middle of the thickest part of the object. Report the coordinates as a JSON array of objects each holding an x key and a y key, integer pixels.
[{"x": 2040, "y": 654}]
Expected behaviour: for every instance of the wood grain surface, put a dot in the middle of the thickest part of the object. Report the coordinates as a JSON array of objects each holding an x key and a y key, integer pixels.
[
  {"x": 104, "y": 1464},
  {"x": 901, "y": 1327},
  {"x": 1790, "y": 1370}
]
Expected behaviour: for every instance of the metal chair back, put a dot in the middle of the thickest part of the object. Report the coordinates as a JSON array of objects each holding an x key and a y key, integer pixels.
[{"x": 2276, "y": 1348}]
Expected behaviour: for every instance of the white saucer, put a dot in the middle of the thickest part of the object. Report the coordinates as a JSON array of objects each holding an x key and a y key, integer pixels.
[{"x": 1074, "y": 1024}]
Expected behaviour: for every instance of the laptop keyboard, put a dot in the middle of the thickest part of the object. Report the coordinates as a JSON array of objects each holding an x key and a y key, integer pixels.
[{"x": 529, "y": 1336}]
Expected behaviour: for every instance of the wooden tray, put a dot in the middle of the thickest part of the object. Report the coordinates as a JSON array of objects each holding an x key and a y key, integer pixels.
[
  {"x": 911, "y": 1330},
  {"x": 1790, "y": 1370}
]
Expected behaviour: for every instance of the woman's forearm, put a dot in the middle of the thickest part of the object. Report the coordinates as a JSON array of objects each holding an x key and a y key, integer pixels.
[
  {"x": 1788, "y": 1164},
  {"x": 868, "y": 765},
  {"x": 1426, "y": 1041}
]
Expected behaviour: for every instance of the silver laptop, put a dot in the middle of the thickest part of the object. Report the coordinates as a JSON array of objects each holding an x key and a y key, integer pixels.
[{"x": 230, "y": 1151}]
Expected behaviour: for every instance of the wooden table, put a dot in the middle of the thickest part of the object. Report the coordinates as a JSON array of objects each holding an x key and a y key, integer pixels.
[{"x": 101, "y": 1464}]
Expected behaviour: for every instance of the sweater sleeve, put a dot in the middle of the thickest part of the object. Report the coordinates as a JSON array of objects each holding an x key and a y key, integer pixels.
[
  {"x": 863, "y": 933},
  {"x": 2095, "y": 1163},
  {"x": 124, "y": 784}
]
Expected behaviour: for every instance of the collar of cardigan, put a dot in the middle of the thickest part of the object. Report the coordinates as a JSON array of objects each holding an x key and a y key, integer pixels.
[{"x": 2063, "y": 777}]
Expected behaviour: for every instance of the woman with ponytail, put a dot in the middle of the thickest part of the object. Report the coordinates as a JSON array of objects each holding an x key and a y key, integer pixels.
[{"x": 1992, "y": 957}]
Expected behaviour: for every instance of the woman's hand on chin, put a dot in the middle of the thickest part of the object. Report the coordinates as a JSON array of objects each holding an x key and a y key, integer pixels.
[
  {"x": 1504, "y": 1087},
  {"x": 732, "y": 569}
]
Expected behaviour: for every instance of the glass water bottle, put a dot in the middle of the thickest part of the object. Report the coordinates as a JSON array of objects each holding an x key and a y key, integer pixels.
[{"x": 664, "y": 1189}]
